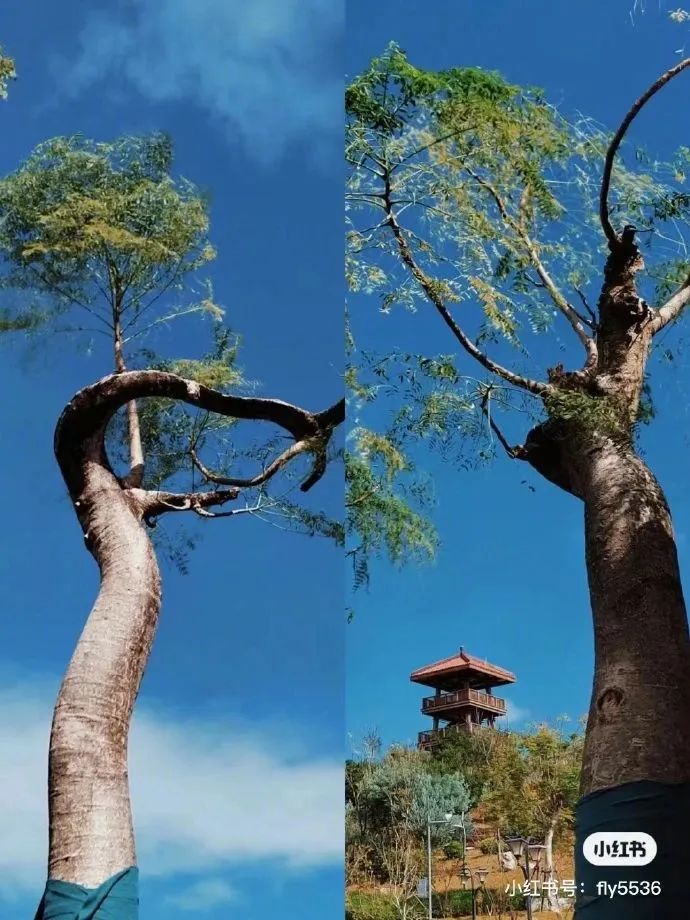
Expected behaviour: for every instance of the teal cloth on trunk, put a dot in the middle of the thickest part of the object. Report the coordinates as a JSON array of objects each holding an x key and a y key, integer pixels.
[
  {"x": 659, "y": 809},
  {"x": 116, "y": 899}
]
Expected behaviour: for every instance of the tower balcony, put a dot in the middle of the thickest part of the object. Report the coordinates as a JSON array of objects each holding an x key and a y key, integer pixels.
[{"x": 461, "y": 699}]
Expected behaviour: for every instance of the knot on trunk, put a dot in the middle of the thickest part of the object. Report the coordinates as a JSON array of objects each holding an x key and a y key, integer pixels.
[
  {"x": 546, "y": 451},
  {"x": 609, "y": 703}
]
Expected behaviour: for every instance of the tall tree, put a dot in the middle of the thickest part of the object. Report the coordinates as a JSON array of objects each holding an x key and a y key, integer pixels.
[
  {"x": 102, "y": 240},
  {"x": 531, "y": 789},
  {"x": 389, "y": 804},
  {"x": 478, "y": 202}
]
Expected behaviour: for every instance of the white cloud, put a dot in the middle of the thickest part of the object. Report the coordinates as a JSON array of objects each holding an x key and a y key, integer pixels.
[
  {"x": 206, "y": 794},
  {"x": 515, "y": 715},
  {"x": 203, "y": 895},
  {"x": 267, "y": 69}
]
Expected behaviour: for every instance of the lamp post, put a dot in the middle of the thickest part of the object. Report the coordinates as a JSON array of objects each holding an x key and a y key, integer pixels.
[
  {"x": 447, "y": 819},
  {"x": 468, "y": 875},
  {"x": 521, "y": 846}
]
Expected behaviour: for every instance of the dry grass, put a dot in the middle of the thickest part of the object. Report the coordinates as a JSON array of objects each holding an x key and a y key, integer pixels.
[{"x": 446, "y": 877}]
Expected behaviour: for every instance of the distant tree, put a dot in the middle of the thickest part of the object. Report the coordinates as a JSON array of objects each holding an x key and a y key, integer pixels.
[
  {"x": 400, "y": 787},
  {"x": 532, "y": 788},
  {"x": 474, "y": 201},
  {"x": 470, "y": 755},
  {"x": 101, "y": 240},
  {"x": 390, "y": 802}
]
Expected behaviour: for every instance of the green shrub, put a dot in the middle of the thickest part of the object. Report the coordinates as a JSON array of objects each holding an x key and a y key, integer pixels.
[
  {"x": 453, "y": 850},
  {"x": 362, "y": 905},
  {"x": 488, "y": 846}
]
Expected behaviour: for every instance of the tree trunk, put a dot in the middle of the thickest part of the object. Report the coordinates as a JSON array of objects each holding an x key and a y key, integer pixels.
[
  {"x": 636, "y": 763},
  {"x": 639, "y": 718},
  {"x": 636, "y": 766},
  {"x": 91, "y": 835},
  {"x": 135, "y": 477},
  {"x": 551, "y": 893}
]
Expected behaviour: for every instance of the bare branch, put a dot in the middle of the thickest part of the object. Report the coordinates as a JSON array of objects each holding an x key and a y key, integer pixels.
[
  {"x": 592, "y": 322},
  {"x": 673, "y": 307},
  {"x": 154, "y": 504},
  {"x": 604, "y": 216},
  {"x": 299, "y": 447},
  {"x": 514, "y": 452},
  {"x": 247, "y": 509}
]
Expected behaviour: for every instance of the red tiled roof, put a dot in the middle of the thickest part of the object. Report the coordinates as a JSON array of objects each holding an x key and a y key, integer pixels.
[{"x": 458, "y": 663}]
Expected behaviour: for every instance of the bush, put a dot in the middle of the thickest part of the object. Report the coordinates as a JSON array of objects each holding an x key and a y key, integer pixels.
[
  {"x": 362, "y": 905},
  {"x": 459, "y": 903},
  {"x": 453, "y": 850},
  {"x": 488, "y": 846}
]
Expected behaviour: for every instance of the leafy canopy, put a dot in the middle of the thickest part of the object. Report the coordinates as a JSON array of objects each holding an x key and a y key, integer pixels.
[
  {"x": 533, "y": 782},
  {"x": 105, "y": 228},
  {"x": 475, "y": 199},
  {"x": 399, "y": 790},
  {"x": 102, "y": 241},
  {"x": 110, "y": 245}
]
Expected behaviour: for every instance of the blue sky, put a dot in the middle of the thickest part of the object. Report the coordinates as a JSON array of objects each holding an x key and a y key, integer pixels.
[
  {"x": 237, "y": 745},
  {"x": 509, "y": 582}
]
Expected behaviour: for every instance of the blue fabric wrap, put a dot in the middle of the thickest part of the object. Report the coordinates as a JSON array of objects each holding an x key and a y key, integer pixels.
[
  {"x": 116, "y": 899},
  {"x": 658, "y": 809}
]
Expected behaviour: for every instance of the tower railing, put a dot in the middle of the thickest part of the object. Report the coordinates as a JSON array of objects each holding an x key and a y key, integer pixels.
[
  {"x": 427, "y": 739},
  {"x": 457, "y": 697}
]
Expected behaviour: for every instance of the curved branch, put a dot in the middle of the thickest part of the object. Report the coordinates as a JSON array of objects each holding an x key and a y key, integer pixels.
[
  {"x": 81, "y": 427},
  {"x": 88, "y": 785},
  {"x": 426, "y": 283},
  {"x": 299, "y": 447},
  {"x": 604, "y": 216}
]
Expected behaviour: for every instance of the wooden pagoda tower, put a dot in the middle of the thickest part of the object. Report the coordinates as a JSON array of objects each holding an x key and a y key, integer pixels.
[{"x": 463, "y": 698}]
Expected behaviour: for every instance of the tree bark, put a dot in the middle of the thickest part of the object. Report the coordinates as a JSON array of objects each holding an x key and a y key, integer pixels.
[
  {"x": 638, "y": 729},
  {"x": 639, "y": 718},
  {"x": 91, "y": 834},
  {"x": 636, "y": 760},
  {"x": 135, "y": 477},
  {"x": 551, "y": 895}
]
